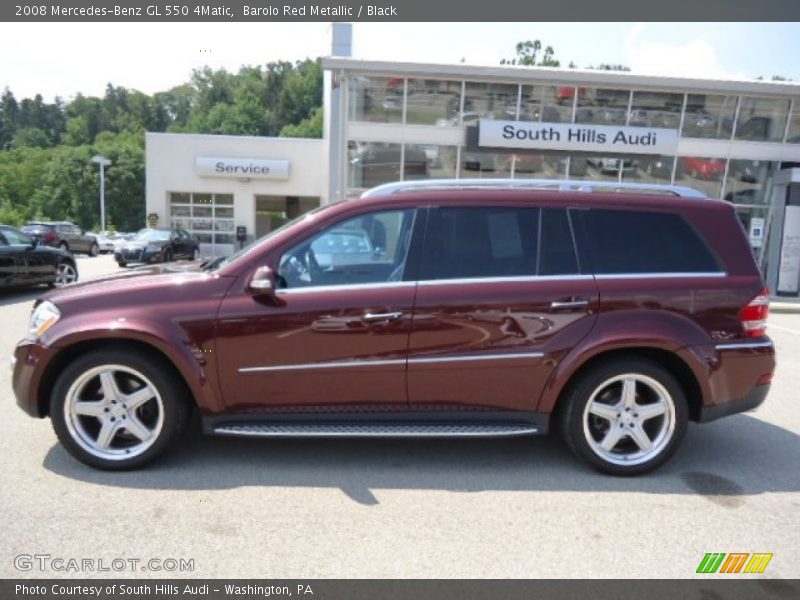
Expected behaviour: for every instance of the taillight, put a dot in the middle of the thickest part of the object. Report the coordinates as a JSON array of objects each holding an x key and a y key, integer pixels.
[{"x": 754, "y": 315}]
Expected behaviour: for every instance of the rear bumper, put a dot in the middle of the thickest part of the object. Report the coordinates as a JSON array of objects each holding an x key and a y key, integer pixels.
[
  {"x": 751, "y": 401},
  {"x": 738, "y": 376}
]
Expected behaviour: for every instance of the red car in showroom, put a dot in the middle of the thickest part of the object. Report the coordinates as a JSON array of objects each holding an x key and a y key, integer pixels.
[
  {"x": 614, "y": 318},
  {"x": 703, "y": 168}
]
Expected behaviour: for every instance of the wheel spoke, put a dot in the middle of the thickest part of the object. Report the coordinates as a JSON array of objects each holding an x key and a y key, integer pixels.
[
  {"x": 89, "y": 408},
  {"x": 110, "y": 391},
  {"x": 641, "y": 438},
  {"x": 611, "y": 438},
  {"x": 604, "y": 411},
  {"x": 139, "y": 397},
  {"x": 107, "y": 433},
  {"x": 629, "y": 392},
  {"x": 649, "y": 411},
  {"x": 137, "y": 428}
]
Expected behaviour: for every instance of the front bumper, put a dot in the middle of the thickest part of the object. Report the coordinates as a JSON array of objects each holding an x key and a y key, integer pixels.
[{"x": 27, "y": 365}]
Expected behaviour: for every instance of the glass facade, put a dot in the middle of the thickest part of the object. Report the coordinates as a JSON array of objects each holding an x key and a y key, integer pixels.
[
  {"x": 761, "y": 119},
  {"x": 209, "y": 217}
]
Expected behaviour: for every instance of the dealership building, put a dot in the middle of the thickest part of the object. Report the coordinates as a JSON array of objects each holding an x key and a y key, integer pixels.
[{"x": 386, "y": 121}]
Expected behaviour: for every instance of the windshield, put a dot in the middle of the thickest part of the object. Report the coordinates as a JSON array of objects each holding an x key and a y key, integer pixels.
[
  {"x": 153, "y": 235},
  {"x": 221, "y": 262}
]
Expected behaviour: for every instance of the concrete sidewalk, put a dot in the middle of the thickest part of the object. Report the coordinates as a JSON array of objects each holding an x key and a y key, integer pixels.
[{"x": 784, "y": 305}]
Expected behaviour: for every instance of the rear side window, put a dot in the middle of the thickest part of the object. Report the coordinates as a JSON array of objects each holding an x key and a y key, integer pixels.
[
  {"x": 465, "y": 243},
  {"x": 623, "y": 241}
]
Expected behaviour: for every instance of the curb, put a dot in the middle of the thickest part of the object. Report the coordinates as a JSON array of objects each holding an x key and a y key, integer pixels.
[{"x": 785, "y": 308}]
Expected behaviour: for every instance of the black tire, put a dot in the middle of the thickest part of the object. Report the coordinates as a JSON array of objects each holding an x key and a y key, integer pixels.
[
  {"x": 94, "y": 250},
  {"x": 174, "y": 398},
  {"x": 122, "y": 263},
  {"x": 63, "y": 246},
  {"x": 167, "y": 255},
  {"x": 572, "y": 412}
]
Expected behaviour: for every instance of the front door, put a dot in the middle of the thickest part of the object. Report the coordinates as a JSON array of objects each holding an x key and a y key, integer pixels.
[
  {"x": 501, "y": 300},
  {"x": 337, "y": 332}
]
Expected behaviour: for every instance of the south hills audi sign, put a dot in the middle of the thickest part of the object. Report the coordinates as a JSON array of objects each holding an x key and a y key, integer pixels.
[{"x": 525, "y": 135}]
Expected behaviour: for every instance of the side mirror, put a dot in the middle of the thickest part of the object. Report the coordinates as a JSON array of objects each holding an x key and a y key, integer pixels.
[{"x": 262, "y": 283}]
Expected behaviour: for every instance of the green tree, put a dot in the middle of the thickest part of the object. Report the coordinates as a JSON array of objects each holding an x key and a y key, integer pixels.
[{"x": 528, "y": 55}]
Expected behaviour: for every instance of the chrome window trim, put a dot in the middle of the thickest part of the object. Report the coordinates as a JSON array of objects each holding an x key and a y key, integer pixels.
[
  {"x": 394, "y": 361},
  {"x": 345, "y": 286},
  {"x": 659, "y": 275},
  {"x": 518, "y": 279},
  {"x": 744, "y": 345}
]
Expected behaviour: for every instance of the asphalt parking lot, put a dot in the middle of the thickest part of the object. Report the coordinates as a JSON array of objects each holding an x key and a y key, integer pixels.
[{"x": 376, "y": 508}]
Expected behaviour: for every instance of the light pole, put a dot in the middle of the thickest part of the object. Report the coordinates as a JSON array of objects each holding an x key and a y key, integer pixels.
[{"x": 103, "y": 162}]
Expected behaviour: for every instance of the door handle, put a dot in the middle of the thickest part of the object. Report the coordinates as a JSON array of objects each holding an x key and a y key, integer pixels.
[
  {"x": 377, "y": 317},
  {"x": 566, "y": 304}
]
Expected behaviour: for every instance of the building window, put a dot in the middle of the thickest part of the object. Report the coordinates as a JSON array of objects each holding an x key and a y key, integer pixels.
[
  {"x": 481, "y": 164},
  {"x": 709, "y": 116},
  {"x": 747, "y": 186},
  {"x": 656, "y": 109},
  {"x": 762, "y": 119},
  {"x": 490, "y": 101},
  {"x": 607, "y": 168},
  {"x": 378, "y": 99},
  {"x": 209, "y": 217},
  {"x": 653, "y": 169},
  {"x": 600, "y": 106},
  {"x": 371, "y": 164},
  {"x": 794, "y": 123},
  {"x": 429, "y": 161},
  {"x": 433, "y": 102},
  {"x": 547, "y": 103},
  {"x": 704, "y": 174}
]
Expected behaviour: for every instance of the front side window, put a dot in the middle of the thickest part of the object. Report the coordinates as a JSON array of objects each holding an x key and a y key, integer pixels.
[{"x": 370, "y": 248}]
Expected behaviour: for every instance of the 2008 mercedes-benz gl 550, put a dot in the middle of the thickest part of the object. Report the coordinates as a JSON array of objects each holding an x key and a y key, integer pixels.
[{"x": 615, "y": 318}]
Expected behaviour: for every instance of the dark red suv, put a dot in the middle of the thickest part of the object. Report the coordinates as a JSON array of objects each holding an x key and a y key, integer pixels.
[{"x": 422, "y": 310}]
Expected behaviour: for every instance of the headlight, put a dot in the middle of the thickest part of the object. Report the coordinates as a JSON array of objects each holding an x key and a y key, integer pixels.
[{"x": 43, "y": 318}]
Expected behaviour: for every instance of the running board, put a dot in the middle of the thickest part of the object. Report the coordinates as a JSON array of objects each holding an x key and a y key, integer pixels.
[{"x": 368, "y": 430}]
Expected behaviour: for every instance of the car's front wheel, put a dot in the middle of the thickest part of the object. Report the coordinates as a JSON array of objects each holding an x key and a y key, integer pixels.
[
  {"x": 94, "y": 250},
  {"x": 117, "y": 410},
  {"x": 625, "y": 417}
]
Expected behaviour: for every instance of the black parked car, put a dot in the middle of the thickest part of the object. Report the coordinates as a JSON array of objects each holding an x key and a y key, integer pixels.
[
  {"x": 157, "y": 245},
  {"x": 23, "y": 261},
  {"x": 64, "y": 235}
]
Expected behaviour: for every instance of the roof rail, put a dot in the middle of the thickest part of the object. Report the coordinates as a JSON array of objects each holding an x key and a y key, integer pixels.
[{"x": 563, "y": 185}]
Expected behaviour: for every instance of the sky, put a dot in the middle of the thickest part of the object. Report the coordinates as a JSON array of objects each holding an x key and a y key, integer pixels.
[{"x": 63, "y": 59}]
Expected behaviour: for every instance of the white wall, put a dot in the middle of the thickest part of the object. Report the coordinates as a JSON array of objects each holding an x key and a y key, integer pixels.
[{"x": 170, "y": 167}]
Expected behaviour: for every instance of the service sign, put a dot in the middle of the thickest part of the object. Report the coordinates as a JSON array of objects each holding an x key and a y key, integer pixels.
[
  {"x": 241, "y": 168},
  {"x": 605, "y": 139}
]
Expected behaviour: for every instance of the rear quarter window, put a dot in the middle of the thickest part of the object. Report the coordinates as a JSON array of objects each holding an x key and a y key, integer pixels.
[{"x": 626, "y": 241}]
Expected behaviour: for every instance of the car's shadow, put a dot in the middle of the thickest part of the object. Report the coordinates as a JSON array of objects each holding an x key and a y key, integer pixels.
[
  {"x": 724, "y": 462},
  {"x": 9, "y": 296}
]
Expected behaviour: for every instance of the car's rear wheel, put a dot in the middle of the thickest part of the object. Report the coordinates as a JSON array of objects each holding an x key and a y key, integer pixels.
[
  {"x": 64, "y": 246},
  {"x": 117, "y": 410},
  {"x": 65, "y": 273},
  {"x": 625, "y": 417},
  {"x": 196, "y": 254}
]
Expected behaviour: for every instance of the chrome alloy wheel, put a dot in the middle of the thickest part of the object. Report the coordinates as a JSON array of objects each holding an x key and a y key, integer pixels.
[
  {"x": 113, "y": 412},
  {"x": 65, "y": 273},
  {"x": 629, "y": 419}
]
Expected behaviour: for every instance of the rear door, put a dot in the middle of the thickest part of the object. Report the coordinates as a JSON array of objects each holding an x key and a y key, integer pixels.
[{"x": 501, "y": 299}]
